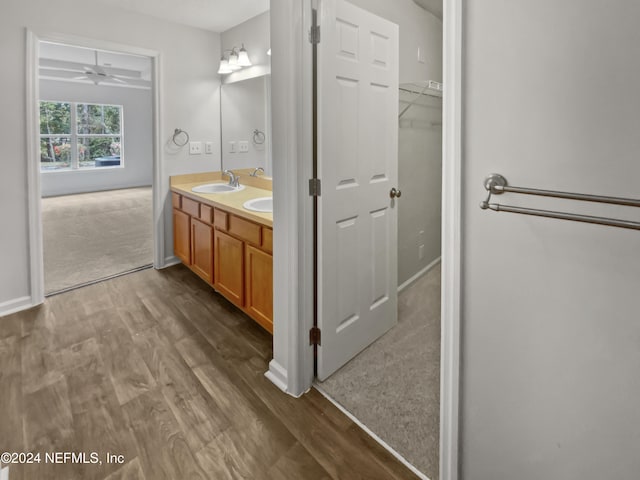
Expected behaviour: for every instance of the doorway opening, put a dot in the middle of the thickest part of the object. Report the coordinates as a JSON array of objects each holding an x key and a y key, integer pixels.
[
  {"x": 95, "y": 117},
  {"x": 392, "y": 386}
]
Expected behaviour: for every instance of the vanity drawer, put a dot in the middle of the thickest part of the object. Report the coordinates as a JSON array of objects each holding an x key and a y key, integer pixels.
[
  {"x": 245, "y": 229},
  {"x": 176, "y": 200},
  {"x": 206, "y": 213},
  {"x": 220, "y": 220},
  {"x": 267, "y": 239},
  {"x": 191, "y": 207}
]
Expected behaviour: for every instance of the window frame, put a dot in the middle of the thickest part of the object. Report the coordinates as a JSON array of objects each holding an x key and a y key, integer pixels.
[{"x": 74, "y": 136}]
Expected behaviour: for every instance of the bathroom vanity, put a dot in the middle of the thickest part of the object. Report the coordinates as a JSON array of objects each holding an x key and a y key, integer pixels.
[{"x": 224, "y": 243}]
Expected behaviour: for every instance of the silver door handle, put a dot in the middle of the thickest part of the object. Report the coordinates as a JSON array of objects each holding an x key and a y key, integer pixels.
[{"x": 395, "y": 193}]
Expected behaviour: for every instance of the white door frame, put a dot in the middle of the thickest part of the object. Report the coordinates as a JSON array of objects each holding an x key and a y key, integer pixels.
[
  {"x": 36, "y": 254},
  {"x": 294, "y": 372},
  {"x": 451, "y": 234}
]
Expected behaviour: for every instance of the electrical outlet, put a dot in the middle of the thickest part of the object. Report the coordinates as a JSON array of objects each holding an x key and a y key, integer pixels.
[
  {"x": 243, "y": 146},
  {"x": 195, "y": 148},
  {"x": 232, "y": 147},
  {"x": 208, "y": 148}
]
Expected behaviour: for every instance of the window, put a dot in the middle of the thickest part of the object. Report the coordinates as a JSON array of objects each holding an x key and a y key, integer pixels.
[{"x": 80, "y": 136}]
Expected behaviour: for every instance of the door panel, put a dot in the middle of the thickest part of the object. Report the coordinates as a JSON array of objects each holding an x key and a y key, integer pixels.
[
  {"x": 202, "y": 249},
  {"x": 357, "y": 130},
  {"x": 229, "y": 267}
]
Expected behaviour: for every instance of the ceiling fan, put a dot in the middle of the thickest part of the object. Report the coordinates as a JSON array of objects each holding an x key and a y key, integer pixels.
[{"x": 62, "y": 69}]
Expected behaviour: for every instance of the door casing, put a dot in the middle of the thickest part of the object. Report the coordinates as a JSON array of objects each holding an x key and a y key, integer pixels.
[{"x": 36, "y": 254}]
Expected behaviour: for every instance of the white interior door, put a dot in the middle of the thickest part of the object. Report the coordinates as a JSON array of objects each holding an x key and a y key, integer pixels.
[{"x": 358, "y": 165}]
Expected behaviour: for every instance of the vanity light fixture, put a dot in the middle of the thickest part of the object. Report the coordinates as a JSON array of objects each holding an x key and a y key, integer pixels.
[
  {"x": 224, "y": 66},
  {"x": 243, "y": 58},
  {"x": 233, "y": 60}
]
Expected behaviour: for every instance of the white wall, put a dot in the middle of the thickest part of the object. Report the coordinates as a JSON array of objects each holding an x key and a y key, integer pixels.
[
  {"x": 137, "y": 139},
  {"x": 419, "y": 29},
  {"x": 550, "y": 322},
  {"x": 190, "y": 89},
  {"x": 420, "y": 180},
  {"x": 243, "y": 110}
]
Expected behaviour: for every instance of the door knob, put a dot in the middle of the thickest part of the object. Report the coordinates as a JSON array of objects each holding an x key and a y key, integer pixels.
[{"x": 394, "y": 193}]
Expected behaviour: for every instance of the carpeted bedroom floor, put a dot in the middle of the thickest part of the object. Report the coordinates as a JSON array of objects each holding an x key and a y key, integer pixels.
[
  {"x": 393, "y": 386},
  {"x": 91, "y": 236}
]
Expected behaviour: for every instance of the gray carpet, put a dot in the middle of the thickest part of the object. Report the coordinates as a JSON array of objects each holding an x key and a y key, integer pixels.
[
  {"x": 393, "y": 386},
  {"x": 90, "y": 236}
]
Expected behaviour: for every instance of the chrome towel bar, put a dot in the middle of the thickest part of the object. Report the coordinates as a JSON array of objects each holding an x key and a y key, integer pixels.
[{"x": 497, "y": 184}]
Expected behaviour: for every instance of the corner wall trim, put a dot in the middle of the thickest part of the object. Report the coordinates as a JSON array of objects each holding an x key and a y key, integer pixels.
[
  {"x": 15, "y": 305},
  {"x": 277, "y": 375}
]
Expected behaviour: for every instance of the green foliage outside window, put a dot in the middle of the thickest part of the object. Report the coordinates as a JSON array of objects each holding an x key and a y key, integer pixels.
[{"x": 56, "y": 134}]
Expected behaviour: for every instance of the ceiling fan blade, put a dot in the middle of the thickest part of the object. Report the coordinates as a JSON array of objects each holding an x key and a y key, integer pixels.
[
  {"x": 77, "y": 66},
  {"x": 44, "y": 72}
]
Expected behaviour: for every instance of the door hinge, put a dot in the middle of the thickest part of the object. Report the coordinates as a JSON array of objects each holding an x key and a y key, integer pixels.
[
  {"x": 315, "y": 336},
  {"x": 314, "y": 187},
  {"x": 314, "y": 35}
]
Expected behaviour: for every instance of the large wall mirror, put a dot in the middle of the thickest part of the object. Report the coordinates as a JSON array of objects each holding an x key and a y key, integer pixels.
[{"x": 246, "y": 124}]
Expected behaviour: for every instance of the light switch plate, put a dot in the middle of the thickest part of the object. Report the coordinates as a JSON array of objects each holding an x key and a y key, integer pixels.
[
  {"x": 243, "y": 146},
  {"x": 195, "y": 148},
  {"x": 232, "y": 147},
  {"x": 208, "y": 148}
]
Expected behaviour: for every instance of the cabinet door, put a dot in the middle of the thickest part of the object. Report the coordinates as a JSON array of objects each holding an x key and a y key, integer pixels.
[
  {"x": 202, "y": 249},
  {"x": 229, "y": 267},
  {"x": 259, "y": 286},
  {"x": 182, "y": 236}
]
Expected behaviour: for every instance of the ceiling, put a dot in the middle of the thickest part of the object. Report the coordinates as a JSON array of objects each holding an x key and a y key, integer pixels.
[
  {"x": 432, "y": 6},
  {"x": 65, "y": 62},
  {"x": 213, "y": 15}
]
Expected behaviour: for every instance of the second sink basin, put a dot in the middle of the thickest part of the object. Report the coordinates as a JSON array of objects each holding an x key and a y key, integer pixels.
[
  {"x": 262, "y": 204},
  {"x": 216, "y": 188}
]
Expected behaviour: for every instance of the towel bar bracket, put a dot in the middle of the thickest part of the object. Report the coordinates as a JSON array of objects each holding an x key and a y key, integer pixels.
[{"x": 495, "y": 180}]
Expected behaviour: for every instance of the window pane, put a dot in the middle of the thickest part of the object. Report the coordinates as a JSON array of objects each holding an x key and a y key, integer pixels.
[
  {"x": 55, "y": 118},
  {"x": 98, "y": 152},
  {"x": 55, "y": 153},
  {"x": 98, "y": 119}
]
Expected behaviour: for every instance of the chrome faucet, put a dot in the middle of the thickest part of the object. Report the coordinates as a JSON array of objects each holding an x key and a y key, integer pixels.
[
  {"x": 255, "y": 172},
  {"x": 234, "y": 180}
]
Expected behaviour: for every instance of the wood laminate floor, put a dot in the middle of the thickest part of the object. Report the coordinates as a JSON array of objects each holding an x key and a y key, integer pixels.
[{"x": 156, "y": 367}]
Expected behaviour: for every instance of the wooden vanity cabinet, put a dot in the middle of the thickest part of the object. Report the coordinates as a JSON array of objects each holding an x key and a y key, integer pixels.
[
  {"x": 243, "y": 266},
  {"x": 229, "y": 262},
  {"x": 192, "y": 236},
  {"x": 202, "y": 249},
  {"x": 182, "y": 236},
  {"x": 259, "y": 286},
  {"x": 231, "y": 253}
]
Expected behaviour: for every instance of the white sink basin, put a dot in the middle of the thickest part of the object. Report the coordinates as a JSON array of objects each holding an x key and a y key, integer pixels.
[
  {"x": 216, "y": 188},
  {"x": 262, "y": 204}
]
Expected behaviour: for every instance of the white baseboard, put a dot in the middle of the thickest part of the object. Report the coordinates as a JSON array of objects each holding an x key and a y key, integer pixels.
[
  {"x": 277, "y": 375},
  {"x": 419, "y": 274},
  {"x": 15, "y": 305},
  {"x": 170, "y": 262},
  {"x": 366, "y": 429}
]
